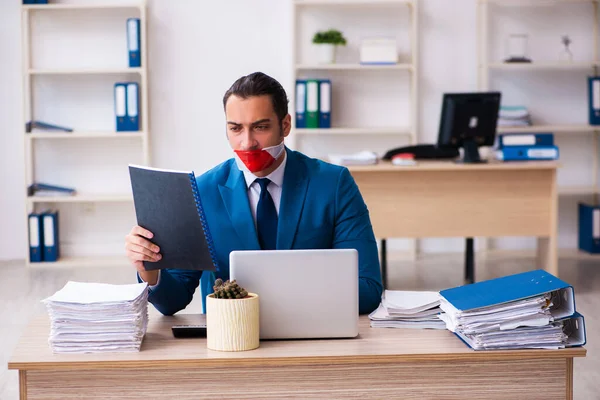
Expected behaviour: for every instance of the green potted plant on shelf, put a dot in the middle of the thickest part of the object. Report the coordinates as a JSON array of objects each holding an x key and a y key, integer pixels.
[
  {"x": 326, "y": 43},
  {"x": 232, "y": 319}
]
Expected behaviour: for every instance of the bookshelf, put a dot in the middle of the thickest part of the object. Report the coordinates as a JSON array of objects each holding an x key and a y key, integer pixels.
[
  {"x": 487, "y": 67},
  {"x": 374, "y": 107},
  {"x": 492, "y": 67},
  {"x": 84, "y": 84}
]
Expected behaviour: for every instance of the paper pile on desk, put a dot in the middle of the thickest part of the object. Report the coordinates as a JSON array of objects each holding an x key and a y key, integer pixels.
[
  {"x": 360, "y": 158},
  {"x": 408, "y": 309},
  {"x": 98, "y": 317},
  {"x": 524, "y": 323}
]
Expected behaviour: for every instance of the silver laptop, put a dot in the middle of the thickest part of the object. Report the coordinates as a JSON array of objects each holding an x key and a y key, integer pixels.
[{"x": 302, "y": 293}]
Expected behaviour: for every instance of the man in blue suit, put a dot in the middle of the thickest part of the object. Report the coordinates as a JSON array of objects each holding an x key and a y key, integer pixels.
[{"x": 266, "y": 197}]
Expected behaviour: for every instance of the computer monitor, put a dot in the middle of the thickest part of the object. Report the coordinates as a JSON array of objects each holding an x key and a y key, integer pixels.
[{"x": 469, "y": 121}]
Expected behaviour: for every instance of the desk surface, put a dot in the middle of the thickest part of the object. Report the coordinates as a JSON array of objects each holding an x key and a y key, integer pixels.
[
  {"x": 387, "y": 166},
  {"x": 161, "y": 350}
]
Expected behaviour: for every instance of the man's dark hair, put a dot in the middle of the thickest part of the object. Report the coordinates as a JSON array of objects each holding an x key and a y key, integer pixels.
[{"x": 260, "y": 84}]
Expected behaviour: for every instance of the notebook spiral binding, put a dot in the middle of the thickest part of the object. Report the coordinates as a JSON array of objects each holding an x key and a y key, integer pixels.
[{"x": 207, "y": 235}]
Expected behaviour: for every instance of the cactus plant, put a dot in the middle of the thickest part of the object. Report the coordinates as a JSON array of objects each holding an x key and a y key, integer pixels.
[{"x": 228, "y": 290}]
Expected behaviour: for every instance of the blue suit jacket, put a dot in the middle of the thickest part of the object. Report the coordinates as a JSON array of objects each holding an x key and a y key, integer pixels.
[{"x": 321, "y": 208}]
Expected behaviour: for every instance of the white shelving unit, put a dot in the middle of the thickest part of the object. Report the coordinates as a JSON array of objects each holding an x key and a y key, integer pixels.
[
  {"x": 486, "y": 67},
  {"x": 32, "y": 140},
  {"x": 302, "y": 69},
  {"x": 398, "y": 18}
]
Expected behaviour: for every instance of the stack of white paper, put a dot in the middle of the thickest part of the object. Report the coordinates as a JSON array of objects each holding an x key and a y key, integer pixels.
[
  {"x": 361, "y": 158},
  {"x": 514, "y": 116},
  {"x": 517, "y": 324},
  {"x": 408, "y": 309},
  {"x": 98, "y": 317}
]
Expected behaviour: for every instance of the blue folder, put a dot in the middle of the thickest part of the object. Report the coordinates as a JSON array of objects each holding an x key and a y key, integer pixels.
[
  {"x": 528, "y": 153},
  {"x": 133, "y": 42},
  {"x": 133, "y": 107},
  {"x": 36, "y": 237},
  {"x": 300, "y": 104},
  {"x": 324, "y": 103},
  {"x": 121, "y": 106},
  {"x": 51, "y": 238},
  {"x": 589, "y": 227},
  {"x": 525, "y": 139},
  {"x": 594, "y": 100},
  {"x": 510, "y": 288}
]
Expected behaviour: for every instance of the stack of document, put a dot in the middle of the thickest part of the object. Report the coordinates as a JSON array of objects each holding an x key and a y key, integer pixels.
[
  {"x": 360, "y": 158},
  {"x": 527, "y": 310},
  {"x": 408, "y": 309},
  {"x": 514, "y": 116},
  {"x": 97, "y": 317}
]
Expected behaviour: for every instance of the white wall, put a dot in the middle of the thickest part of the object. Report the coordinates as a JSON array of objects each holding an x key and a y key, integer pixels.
[{"x": 197, "y": 49}]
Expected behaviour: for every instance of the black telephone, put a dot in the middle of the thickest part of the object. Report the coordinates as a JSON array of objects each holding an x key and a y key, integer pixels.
[{"x": 424, "y": 152}]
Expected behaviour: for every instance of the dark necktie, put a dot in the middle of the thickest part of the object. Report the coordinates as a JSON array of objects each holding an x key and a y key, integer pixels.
[{"x": 266, "y": 217}]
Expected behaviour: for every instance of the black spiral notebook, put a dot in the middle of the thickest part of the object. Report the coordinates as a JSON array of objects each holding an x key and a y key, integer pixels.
[{"x": 167, "y": 203}]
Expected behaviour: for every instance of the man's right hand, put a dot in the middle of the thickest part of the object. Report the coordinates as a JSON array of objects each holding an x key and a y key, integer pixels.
[{"x": 139, "y": 248}]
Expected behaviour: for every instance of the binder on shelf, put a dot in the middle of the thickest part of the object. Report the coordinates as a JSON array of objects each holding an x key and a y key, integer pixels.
[
  {"x": 51, "y": 238},
  {"x": 325, "y": 103},
  {"x": 525, "y": 139},
  {"x": 32, "y": 126},
  {"x": 300, "y": 104},
  {"x": 312, "y": 103},
  {"x": 180, "y": 228},
  {"x": 29, "y": 1},
  {"x": 133, "y": 107},
  {"x": 41, "y": 1},
  {"x": 120, "y": 107},
  {"x": 589, "y": 228},
  {"x": 133, "y": 42},
  {"x": 527, "y": 153},
  {"x": 594, "y": 99},
  {"x": 36, "y": 237},
  {"x": 44, "y": 189}
]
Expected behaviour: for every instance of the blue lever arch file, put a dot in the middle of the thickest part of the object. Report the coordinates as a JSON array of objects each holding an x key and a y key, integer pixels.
[
  {"x": 121, "y": 107},
  {"x": 300, "y": 104},
  {"x": 589, "y": 228},
  {"x": 133, "y": 107},
  {"x": 133, "y": 42},
  {"x": 494, "y": 292},
  {"x": 594, "y": 99},
  {"x": 36, "y": 237},
  {"x": 51, "y": 238},
  {"x": 325, "y": 103}
]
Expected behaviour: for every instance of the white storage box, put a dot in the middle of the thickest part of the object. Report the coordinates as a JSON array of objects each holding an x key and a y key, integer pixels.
[{"x": 378, "y": 51}]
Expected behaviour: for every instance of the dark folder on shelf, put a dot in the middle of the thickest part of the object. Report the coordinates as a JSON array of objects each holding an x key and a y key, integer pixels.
[{"x": 167, "y": 203}]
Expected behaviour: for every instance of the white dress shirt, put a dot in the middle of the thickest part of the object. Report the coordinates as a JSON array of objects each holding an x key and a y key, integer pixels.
[{"x": 274, "y": 188}]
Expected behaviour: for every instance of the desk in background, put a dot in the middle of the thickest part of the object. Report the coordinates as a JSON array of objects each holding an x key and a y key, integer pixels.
[
  {"x": 380, "y": 363},
  {"x": 446, "y": 199}
]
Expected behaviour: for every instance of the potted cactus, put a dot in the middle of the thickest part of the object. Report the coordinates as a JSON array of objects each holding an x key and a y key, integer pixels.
[
  {"x": 232, "y": 319},
  {"x": 326, "y": 43}
]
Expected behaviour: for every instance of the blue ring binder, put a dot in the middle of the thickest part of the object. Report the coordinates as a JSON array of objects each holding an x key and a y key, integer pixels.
[{"x": 209, "y": 239}]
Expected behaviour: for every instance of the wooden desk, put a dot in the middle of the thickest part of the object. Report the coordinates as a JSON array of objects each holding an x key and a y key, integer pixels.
[
  {"x": 380, "y": 363},
  {"x": 445, "y": 199}
]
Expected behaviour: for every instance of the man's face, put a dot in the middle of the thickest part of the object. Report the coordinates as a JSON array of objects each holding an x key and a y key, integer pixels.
[{"x": 252, "y": 123}]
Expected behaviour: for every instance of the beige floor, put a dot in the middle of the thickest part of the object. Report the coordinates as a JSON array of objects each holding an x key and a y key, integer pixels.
[{"x": 22, "y": 289}]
